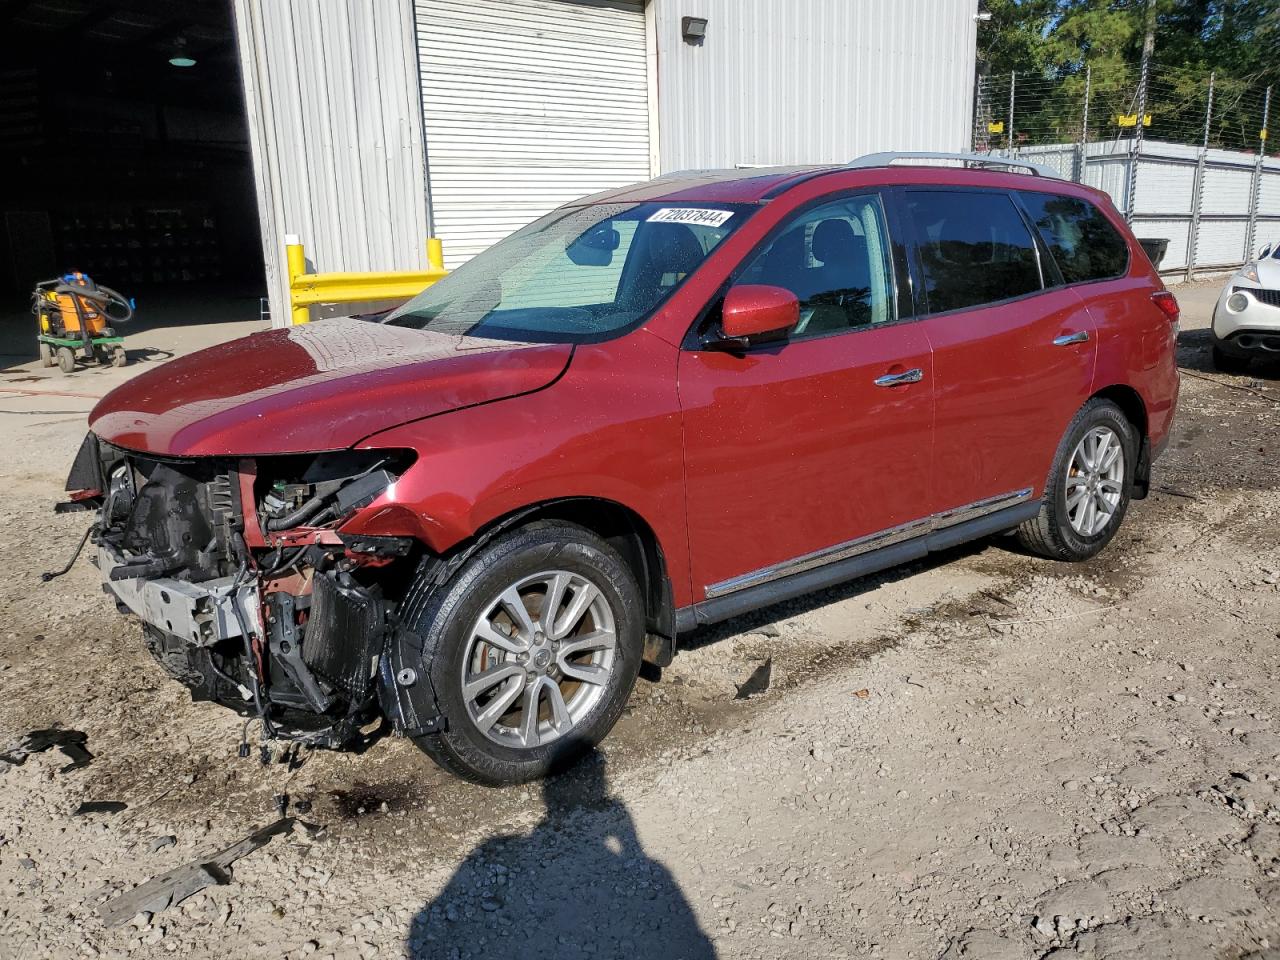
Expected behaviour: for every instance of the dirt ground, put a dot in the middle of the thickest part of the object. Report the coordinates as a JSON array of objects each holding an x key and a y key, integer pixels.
[{"x": 982, "y": 756}]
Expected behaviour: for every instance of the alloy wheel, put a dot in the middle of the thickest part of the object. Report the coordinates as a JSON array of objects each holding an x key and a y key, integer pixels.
[
  {"x": 1095, "y": 481},
  {"x": 538, "y": 659}
]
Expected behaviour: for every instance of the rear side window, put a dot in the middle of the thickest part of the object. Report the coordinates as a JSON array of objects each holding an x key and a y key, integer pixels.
[
  {"x": 974, "y": 248},
  {"x": 1082, "y": 240}
]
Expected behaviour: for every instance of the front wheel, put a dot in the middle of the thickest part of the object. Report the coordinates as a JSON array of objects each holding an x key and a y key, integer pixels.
[
  {"x": 533, "y": 647},
  {"x": 1089, "y": 486},
  {"x": 66, "y": 360}
]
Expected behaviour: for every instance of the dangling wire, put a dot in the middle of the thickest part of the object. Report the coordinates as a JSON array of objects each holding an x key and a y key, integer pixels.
[{"x": 54, "y": 574}]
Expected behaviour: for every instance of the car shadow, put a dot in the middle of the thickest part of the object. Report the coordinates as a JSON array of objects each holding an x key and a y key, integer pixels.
[
  {"x": 1195, "y": 353},
  {"x": 848, "y": 590},
  {"x": 579, "y": 884}
]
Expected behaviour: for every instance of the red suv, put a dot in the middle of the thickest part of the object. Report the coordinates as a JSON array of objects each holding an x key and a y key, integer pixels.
[{"x": 652, "y": 409}]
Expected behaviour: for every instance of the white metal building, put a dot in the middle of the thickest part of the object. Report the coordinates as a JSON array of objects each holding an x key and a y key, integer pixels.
[{"x": 378, "y": 123}]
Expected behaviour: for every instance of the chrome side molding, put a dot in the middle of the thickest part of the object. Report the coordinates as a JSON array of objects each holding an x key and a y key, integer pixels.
[{"x": 873, "y": 541}]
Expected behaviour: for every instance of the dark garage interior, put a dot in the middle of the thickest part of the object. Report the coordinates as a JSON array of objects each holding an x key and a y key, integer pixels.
[{"x": 125, "y": 155}]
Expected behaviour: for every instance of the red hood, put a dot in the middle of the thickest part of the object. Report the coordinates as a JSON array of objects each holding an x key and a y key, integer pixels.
[{"x": 323, "y": 386}]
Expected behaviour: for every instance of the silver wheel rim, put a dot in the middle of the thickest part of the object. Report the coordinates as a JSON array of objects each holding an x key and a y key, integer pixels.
[
  {"x": 539, "y": 659},
  {"x": 1095, "y": 481}
]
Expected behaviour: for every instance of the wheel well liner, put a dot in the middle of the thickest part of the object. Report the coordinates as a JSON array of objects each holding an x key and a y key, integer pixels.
[{"x": 1131, "y": 405}]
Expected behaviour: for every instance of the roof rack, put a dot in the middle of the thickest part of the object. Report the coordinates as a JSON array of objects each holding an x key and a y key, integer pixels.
[{"x": 969, "y": 159}]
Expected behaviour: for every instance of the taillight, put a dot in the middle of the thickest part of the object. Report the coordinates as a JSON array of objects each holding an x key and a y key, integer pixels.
[{"x": 1168, "y": 303}]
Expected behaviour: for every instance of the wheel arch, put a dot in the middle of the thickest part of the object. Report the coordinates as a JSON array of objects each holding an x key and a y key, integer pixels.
[
  {"x": 1134, "y": 408},
  {"x": 636, "y": 542}
]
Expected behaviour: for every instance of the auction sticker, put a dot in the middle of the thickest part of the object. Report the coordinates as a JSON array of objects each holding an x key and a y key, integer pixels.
[{"x": 695, "y": 215}]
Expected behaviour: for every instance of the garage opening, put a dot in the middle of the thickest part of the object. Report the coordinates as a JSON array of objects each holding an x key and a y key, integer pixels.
[{"x": 124, "y": 153}]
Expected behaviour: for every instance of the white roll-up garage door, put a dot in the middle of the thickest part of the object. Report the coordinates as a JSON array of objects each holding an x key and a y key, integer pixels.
[{"x": 528, "y": 104}]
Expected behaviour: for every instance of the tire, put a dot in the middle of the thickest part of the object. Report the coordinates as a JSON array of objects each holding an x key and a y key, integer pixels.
[
  {"x": 66, "y": 359},
  {"x": 1065, "y": 532},
  {"x": 448, "y": 620},
  {"x": 1227, "y": 363},
  {"x": 46, "y": 355},
  {"x": 170, "y": 654},
  {"x": 118, "y": 357}
]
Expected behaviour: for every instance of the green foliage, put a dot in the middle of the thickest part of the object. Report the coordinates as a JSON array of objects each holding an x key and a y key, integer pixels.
[
  {"x": 1239, "y": 39},
  {"x": 1051, "y": 44}
]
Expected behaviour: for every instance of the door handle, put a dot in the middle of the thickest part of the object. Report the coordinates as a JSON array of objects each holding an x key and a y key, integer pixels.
[
  {"x": 914, "y": 375},
  {"x": 1081, "y": 336}
]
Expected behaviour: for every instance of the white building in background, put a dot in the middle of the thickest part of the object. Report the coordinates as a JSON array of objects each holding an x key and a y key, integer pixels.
[{"x": 377, "y": 123}]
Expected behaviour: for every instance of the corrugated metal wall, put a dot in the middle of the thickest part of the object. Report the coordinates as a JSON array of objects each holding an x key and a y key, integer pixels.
[
  {"x": 336, "y": 132},
  {"x": 1164, "y": 196},
  {"x": 813, "y": 81}
]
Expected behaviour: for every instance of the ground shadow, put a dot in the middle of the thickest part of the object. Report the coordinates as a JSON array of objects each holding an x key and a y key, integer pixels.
[
  {"x": 1195, "y": 353},
  {"x": 848, "y": 590},
  {"x": 579, "y": 884}
]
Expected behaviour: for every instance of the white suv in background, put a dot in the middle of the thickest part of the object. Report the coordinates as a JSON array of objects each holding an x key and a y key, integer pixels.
[{"x": 1246, "y": 321}]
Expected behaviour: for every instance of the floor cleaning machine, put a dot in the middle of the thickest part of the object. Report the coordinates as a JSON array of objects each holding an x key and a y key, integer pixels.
[{"x": 74, "y": 316}]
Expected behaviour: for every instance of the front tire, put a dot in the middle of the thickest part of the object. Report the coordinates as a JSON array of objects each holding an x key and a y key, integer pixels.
[
  {"x": 1089, "y": 487},
  {"x": 66, "y": 360},
  {"x": 46, "y": 355},
  {"x": 532, "y": 646}
]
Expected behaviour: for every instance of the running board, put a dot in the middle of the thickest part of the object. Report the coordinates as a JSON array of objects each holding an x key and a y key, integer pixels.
[{"x": 839, "y": 571}]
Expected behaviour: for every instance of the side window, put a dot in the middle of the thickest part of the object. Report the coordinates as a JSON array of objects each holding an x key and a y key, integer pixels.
[
  {"x": 1082, "y": 240},
  {"x": 835, "y": 259},
  {"x": 974, "y": 248}
]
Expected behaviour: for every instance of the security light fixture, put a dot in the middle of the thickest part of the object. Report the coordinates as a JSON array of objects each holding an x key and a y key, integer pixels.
[
  {"x": 693, "y": 29},
  {"x": 983, "y": 15},
  {"x": 180, "y": 56}
]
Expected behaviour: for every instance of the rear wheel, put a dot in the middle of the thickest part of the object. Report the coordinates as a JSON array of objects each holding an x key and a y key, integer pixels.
[
  {"x": 46, "y": 355},
  {"x": 66, "y": 359},
  {"x": 1228, "y": 363},
  {"x": 118, "y": 357},
  {"x": 532, "y": 647},
  {"x": 1089, "y": 486}
]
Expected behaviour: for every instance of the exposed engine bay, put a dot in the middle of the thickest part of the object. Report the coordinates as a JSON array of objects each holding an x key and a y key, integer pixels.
[{"x": 248, "y": 591}]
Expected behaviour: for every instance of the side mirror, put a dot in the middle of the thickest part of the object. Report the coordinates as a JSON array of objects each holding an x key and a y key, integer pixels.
[{"x": 756, "y": 311}]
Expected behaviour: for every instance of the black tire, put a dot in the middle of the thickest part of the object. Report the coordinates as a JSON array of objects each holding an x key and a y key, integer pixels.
[
  {"x": 66, "y": 359},
  {"x": 170, "y": 653},
  {"x": 443, "y": 617},
  {"x": 1050, "y": 533},
  {"x": 1227, "y": 363}
]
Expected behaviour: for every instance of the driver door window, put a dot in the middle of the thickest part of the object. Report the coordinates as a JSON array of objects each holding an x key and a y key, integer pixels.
[{"x": 835, "y": 259}]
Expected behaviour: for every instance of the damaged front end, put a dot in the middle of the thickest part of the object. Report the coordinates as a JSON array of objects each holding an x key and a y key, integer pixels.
[{"x": 248, "y": 590}]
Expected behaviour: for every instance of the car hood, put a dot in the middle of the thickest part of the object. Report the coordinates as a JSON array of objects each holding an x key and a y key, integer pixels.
[{"x": 323, "y": 386}]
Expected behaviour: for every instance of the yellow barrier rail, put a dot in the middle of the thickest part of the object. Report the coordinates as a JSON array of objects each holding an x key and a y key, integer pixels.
[{"x": 308, "y": 289}]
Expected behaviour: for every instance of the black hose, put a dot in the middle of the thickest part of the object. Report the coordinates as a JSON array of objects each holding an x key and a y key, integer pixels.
[
  {"x": 295, "y": 517},
  {"x": 52, "y": 574}
]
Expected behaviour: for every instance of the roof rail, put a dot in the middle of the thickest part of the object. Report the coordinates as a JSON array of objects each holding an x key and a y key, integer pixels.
[{"x": 970, "y": 159}]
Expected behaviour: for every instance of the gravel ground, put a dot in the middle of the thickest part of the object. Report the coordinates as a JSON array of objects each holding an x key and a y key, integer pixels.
[{"x": 982, "y": 756}]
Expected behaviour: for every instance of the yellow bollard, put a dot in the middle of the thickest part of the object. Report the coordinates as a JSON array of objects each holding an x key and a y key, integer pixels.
[
  {"x": 296, "y": 258},
  {"x": 435, "y": 253}
]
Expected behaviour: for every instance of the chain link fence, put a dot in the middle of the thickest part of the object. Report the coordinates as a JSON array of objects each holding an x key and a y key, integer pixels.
[{"x": 1184, "y": 154}]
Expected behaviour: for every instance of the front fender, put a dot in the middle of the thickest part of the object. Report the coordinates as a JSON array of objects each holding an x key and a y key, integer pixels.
[{"x": 609, "y": 429}]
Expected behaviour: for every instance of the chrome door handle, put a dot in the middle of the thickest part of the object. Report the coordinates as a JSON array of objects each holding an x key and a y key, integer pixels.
[
  {"x": 914, "y": 375},
  {"x": 1066, "y": 339}
]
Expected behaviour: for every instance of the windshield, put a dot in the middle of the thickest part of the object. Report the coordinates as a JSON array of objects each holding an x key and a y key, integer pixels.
[{"x": 578, "y": 275}]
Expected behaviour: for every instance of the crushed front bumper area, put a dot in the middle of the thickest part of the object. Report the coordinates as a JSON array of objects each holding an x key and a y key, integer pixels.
[
  {"x": 289, "y": 623},
  {"x": 199, "y": 613}
]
